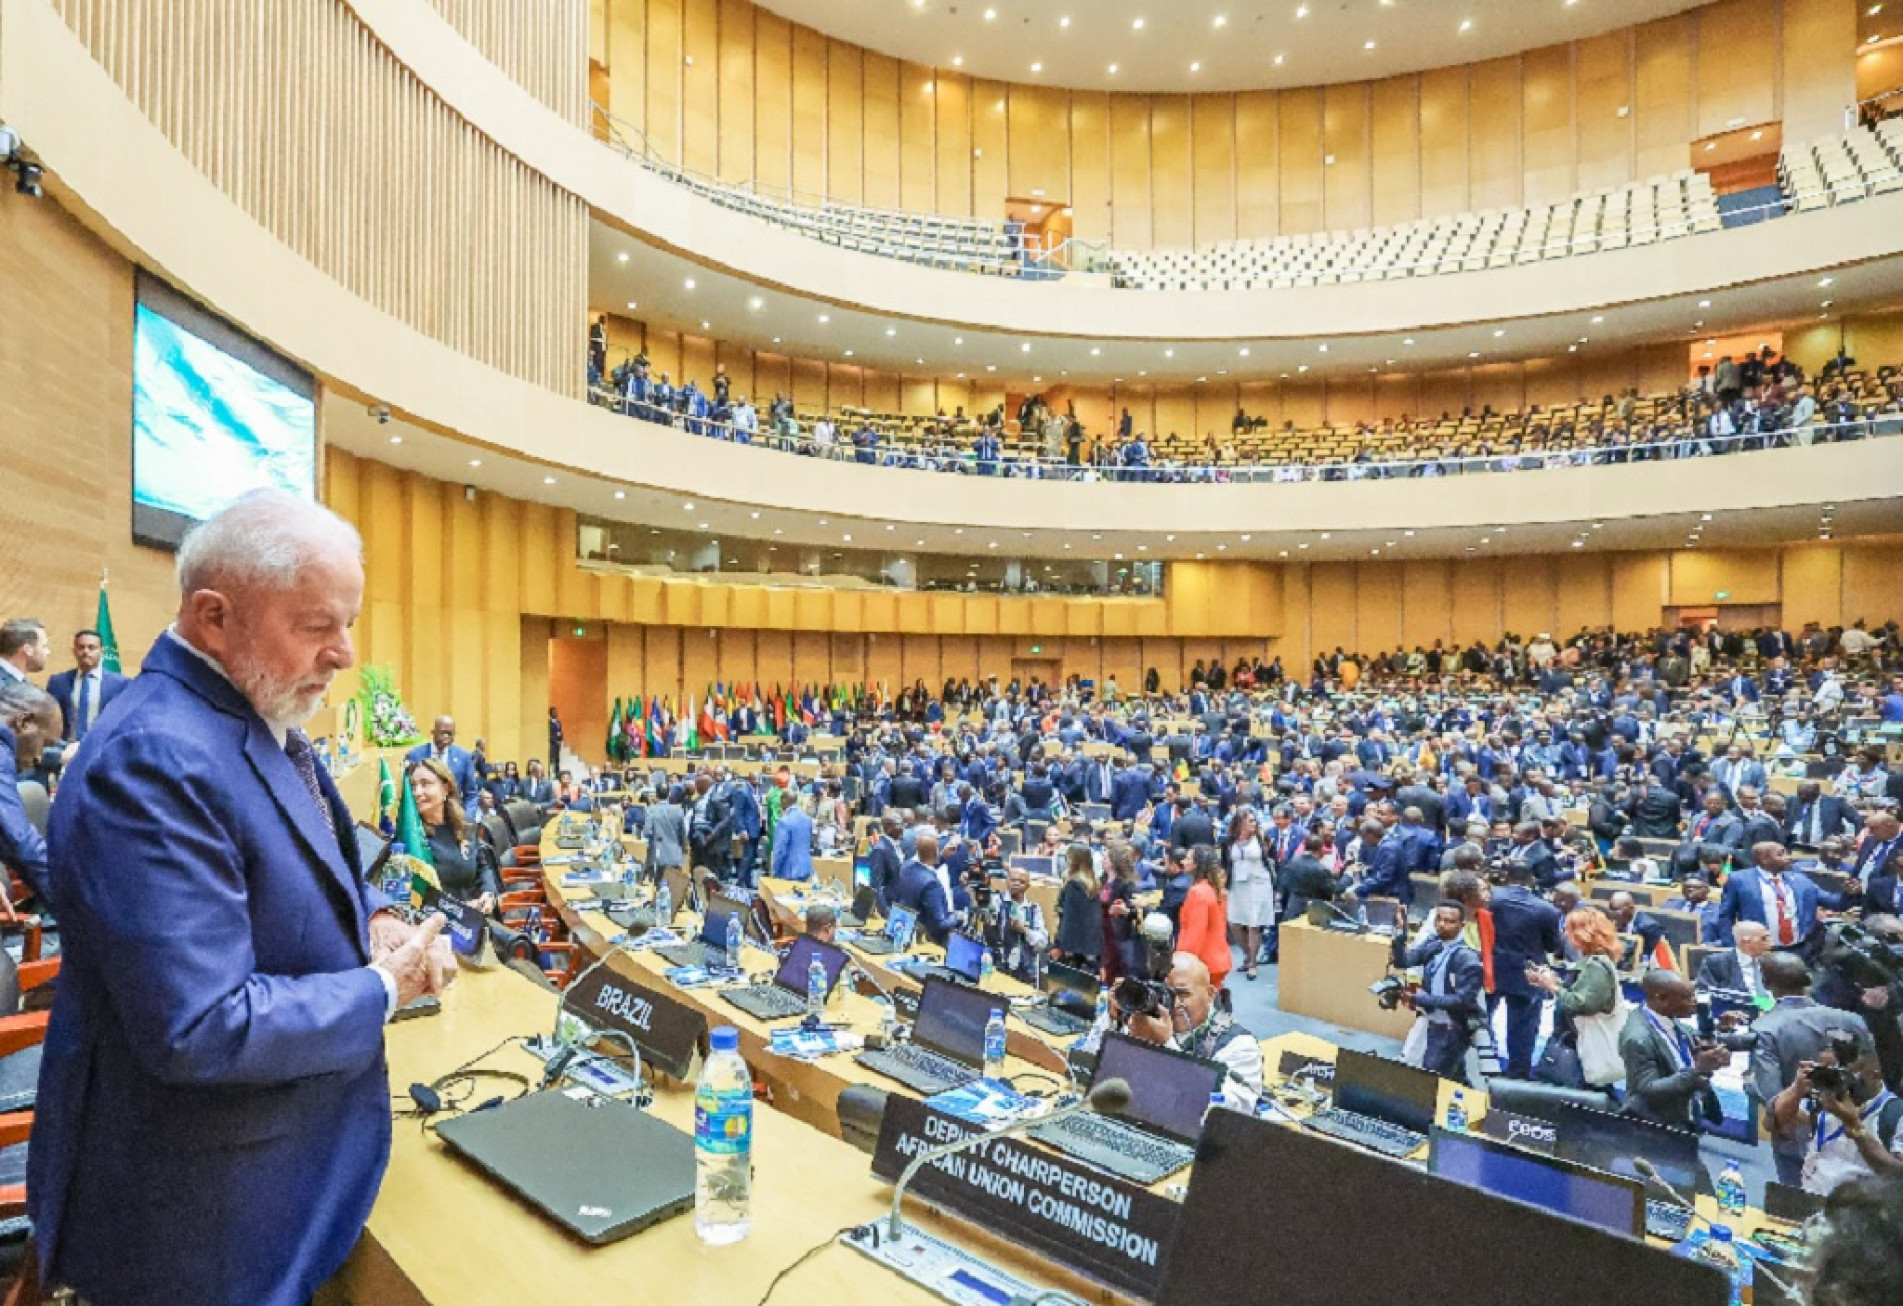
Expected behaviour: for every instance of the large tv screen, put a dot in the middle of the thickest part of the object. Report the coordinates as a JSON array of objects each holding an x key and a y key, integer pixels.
[{"x": 214, "y": 415}]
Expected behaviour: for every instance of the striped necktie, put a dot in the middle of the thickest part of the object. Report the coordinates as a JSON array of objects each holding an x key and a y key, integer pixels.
[{"x": 297, "y": 746}]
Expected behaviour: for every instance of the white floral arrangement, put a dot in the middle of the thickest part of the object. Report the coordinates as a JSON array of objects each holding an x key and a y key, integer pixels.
[{"x": 388, "y": 723}]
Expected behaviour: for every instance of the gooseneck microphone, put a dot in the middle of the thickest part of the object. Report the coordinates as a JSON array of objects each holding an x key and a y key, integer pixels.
[
  {"x": 1651, "y": 1175},
  {"x": 1112, "y": 1097}
]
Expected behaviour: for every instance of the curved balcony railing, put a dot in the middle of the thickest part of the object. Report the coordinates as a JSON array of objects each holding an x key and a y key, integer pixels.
[{"x": 968, "y": 460}]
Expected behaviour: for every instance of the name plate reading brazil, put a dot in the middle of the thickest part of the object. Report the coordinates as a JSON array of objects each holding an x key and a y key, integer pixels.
[
  {"x": 1091, "y": 1222},
  {"x": 668, "y": 1031}
]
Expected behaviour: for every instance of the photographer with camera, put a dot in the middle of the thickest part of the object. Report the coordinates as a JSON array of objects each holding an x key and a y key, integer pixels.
[
  {"x": 1451, "y": 997},
  {"x": 1181, "y": 1012},
  {"x": 1862, "y": 972},
  {"x": 1795, "y": 1030},
  {"x": 1851, "y": 1117},
  {"x": 1014, "y": 927}
]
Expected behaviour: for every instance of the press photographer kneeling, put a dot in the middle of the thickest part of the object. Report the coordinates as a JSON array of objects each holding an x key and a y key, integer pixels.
[
  {"x": 1851, "y": 1118},
  {"x": 1181, "y": 1012}
]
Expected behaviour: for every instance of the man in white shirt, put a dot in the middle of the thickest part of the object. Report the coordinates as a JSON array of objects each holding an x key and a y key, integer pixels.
[
  {"x": 1736, "y": 971},
  {"x": 1197, "y": 1025},
  {"x": 1857, "y": 641},
  {"x": 24, "y": 648},
  {"x": 823, "y": 432}
]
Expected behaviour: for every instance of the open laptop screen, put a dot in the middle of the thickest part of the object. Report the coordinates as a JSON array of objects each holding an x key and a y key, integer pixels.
[
  {"x": 799, "y": 960},
  {"x": 951, "y": 1020},
  {"x": 965, "y": 955},
  {"x": 1387, "y": 1090},
  {"x": 1169, "y": 1091}
]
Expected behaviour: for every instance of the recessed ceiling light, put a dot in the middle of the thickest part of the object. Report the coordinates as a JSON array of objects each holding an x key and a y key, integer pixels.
[
  {"x": 891, "y": 331},
  {"x": 849, "y": 353},
  {"x": 824, "y": 318},
  {"x": 703, "y": 525},
  {"x": 1301, "y": 11},
  {"x": 548, "y": 480},
  {"x": 621, "y": 258},
  {"x": 1408, "y": 340},
  {"x": 1037, "y": 67},
  {"x": 621, "y": 494},
  {"x": 1473, "y": 353},
  {"x": 706, "y": 326},
  {"x": 990, "y": 14},
  {"x": 1466, "y": 24},
  {"x": 475, "y": 462},
  {"x": 958, "y": 61},
  {"x": 1064, "y": 21},
  {"x": 1025, "y": 348},
  {"x": 1220, "y": 20},
  {"x": 1302, "y": 368},
  {"x": 1113, "y": 70},
  {"x": 958, "y": 340},
  {"x": 756, "y": 303},
  {"x": 1597, "y": 318},
  {"x": 992, "y": 545},
  {"x": 1245, "y": 538},
  {"x": 846, "y": 538},
  {"x": 632, "y": 305},
  {"x": 1498, "y": 332},
  {"x": 688, "y": 283},
  {"x": 1094, "y": 351},
  {"x": 1137, "y": 25},
  {"x": 1196, "y": 66},
  {"x": 919, "y": 362},
  {"x": 1244, "y": 351},
  {"x": 1323, "y": 348},
  {"x": 1825, "y": 281},
  {"x": 1367, "y": 45},
  {"x": 1169, "y": 353},
  {"x": 776, "y": 340},
  {"x": 991, "y": 367},
  {"x": 396, "y": 439}
]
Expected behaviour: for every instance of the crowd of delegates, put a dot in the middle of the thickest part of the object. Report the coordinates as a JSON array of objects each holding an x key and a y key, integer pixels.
[
  {"x": 1758, "y": 401},
  {"x": 1186, "y": 826}
]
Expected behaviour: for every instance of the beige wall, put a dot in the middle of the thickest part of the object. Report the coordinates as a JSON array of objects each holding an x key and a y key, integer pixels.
[
  {"x": 765, "y": 100},
  {"x": 66, "y": 435}
]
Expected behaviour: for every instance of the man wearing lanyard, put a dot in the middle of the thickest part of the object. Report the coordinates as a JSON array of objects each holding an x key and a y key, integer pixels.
[
  {"x": 1450, "y": 994},
  {"x": 1852, "y": 1131},
  {"x": 1017, "y": 936},
  {"x": 1668, "y": 1079}
]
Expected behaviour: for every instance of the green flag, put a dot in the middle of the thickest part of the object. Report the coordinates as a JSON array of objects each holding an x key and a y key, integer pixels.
[
  {"x": 409, "y": 827},
  {"x": 103, "y": 624},
  {"x": 386, "y": 795},
  {"x": 614, "y": 734}
]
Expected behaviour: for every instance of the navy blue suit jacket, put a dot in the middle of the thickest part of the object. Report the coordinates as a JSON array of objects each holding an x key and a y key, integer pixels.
[
  {"x": 461, "y": 766},
  {"x": 1744, "y": 900},
  {"x": 1386, "y": 872},
  {"x": 22, "y": 850},
  {"x": 920, "y": 891},
  {"x": 214, "y": 1109},
  {"x": 1525, "y": 929},
  {"x": 60, "y": 686}
]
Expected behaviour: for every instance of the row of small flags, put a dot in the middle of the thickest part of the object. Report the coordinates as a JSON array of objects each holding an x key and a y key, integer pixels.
[{"x": 653, "y": 727}]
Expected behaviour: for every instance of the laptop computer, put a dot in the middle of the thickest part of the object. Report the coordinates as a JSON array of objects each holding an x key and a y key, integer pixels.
[
  {"x": 1612, "y": 1142},
  {"x": 1038, "y": 867},
  {"x": 709, "y": 948},
  {"x": 865, "y": 906},
  {"x": 1069, "y": 993},
  {"x": 1155, "y": 1136},
  {"x": 1567, "y": 1188},
  {"x": 1379, "y": 1104},
  {"x": 964, "y": 961},
  {"x": 786, "y": 994},
  {"x": 601, "y": 1173},
  {"x": 899, "y": 924},
  {"x": 948, "y": 1040}
]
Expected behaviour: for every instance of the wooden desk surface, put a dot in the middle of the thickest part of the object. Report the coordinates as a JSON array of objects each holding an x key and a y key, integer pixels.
[
  {"x": 442, "y": 1233},
  {"x": 1325, "y": 974}
]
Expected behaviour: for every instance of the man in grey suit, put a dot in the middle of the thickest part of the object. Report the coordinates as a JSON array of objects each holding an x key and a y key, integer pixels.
[
  {"x": 1795, "y": 1029},
  {"x": 1667, "y": 1076},
  {"x": 665, "y": 827}
]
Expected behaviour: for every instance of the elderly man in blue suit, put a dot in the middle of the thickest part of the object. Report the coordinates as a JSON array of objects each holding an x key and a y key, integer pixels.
[
  {"x": 214, "y": 1108},
  {"x": 793, "y": 844},
  {"x": 85, "y": 691},
  {"x": 442, "y": 746}
]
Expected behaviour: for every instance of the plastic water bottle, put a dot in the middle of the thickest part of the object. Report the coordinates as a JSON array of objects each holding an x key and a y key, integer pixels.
[
  {"x": 1722, "y": 1251},
  {"x": 723, "y": 1142},
  {"x": 663, "y": 905},
  {"x": 994, "y": 1045},
  {"x": 1731, "y": 1200},
  {"x": 816, "y": 988},
  {"x": 1103, "y": 1006},
  {"x": 986, "y": 967},
  {"x": 733, "y": 941},
  {"x": 1457, "y": 1113},
  {"x": 396, "y": 873},
  {"x": 1215, "y": 1105}
]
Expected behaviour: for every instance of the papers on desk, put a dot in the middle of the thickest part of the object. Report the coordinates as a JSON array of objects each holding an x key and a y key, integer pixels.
[
  {"x": 656, "y": 938},
  {"x": 988, "y": 1102},
  {"x": 812, "y": 1044},
  {"x": 565, "y": 859},
  {"x": 581, "y": 879},
  {"x": 692, "y": 977}
]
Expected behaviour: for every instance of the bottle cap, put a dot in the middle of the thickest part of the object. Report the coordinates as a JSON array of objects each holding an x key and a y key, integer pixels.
[
  {"x": 724, "y": 1038},
  {"x": 997, "y": 1013},
  {"x": 397, "y": 850},
  {"x": 1721, "y": 1233}
]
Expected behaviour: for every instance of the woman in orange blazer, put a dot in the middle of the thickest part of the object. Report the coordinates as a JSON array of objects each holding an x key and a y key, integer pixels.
[{"x": 1203, "y": 924}]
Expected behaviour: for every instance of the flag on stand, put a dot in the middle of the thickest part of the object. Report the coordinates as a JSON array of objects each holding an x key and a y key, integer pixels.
[
  {"x": 613, "y": 744},
  {"x": 386, "y": 798},
  {"x": 409, "y": 828},
  {"x": 693, "y": 727},
  {"x": 103, "y": 624}
]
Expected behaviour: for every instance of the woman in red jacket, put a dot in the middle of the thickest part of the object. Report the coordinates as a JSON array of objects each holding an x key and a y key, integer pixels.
[{"x": 1203, "y": 924}]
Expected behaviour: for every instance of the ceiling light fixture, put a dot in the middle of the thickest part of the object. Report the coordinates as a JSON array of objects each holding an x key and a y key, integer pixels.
[
  {"x": 1196, "y": 66},
  {"x": 1137, "y": 25},
  {"x": 1113, "y": 70},
  {"x": 824, "y": 318},
  {"x": 1037, "y": 67},
  {"x": 621, "y": 494},
  {"x": 688, "y": 283},
  {"x": 621, "y": 258},
  {"x": 958, "y": 61},
  {"x": 1466, "y": 24},
  {"x": 632, "y": 305},
  {"x": 548, "y": 480},
  {"x": 1220, "y": 20},
  {"x": 1367, "y": 45}
]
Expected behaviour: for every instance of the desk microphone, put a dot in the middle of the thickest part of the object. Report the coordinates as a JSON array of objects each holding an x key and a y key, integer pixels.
[
  {"x": 1651, "y": 1175},
  {"x": 1109, "y": 1098}
]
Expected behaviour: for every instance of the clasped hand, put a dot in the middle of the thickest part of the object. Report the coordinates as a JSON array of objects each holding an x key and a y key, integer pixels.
[{"x": 416, "y": 956}]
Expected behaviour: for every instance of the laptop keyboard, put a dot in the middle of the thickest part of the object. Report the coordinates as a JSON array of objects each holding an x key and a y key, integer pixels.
[
  {"x": 1667, "y": 1220},
  {"x": 767, "y": 1002},
  {"x": 878, "y": 945},
  {"x": 1117, "y": 1148},
  {"x": 1060, "y": 1023},
  {"x": 917, "y": 1068},
  {"x": 697, "y": 953},
  {"x": 1370, "y": 1132}
]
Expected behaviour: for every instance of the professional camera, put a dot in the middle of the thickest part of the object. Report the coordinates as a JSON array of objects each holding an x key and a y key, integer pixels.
[
  {"x": 1143, "y": 997},
  {"x": 1387, "y": 992},
  {"x": 1864, "y": 959},
  {"x": 1835, "y": 1081}
]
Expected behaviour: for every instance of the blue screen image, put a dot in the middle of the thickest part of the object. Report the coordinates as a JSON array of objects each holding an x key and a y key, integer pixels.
[
  {"x": 207, "y": 427},
  {"x": 1527, "y": 1179}
]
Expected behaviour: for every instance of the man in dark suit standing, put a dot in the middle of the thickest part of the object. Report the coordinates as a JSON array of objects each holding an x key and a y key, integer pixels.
[
  {"x": 1450, "y": 995},
  {"x": 214, "y": 1109},
  {"x": 1794, "y": 1030},
  {"x": 1191, "y": 825},
  {"x": 442, "y": 747},
  {"x": 883, "y": 862},
  {"x": 1667, "y": 1077},
  {"x": 1815, "y": 816},
  {"x": 1525, "y": 933},
  {"x": 710, "y": 827},
  {"x": 925, "y": 889},
  {"x": 84, "y": 692}
]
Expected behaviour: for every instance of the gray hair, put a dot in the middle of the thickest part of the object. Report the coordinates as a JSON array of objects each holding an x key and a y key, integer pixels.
[
  {"x": 262, "y": 540},
  {"x": 19, "y": 700},
  {"x": 17, "y": 633}
]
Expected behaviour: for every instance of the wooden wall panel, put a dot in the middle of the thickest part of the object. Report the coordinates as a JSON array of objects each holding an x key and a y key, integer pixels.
[
  {"x": 809, "y": 115},
  {"x": 1395, "y": 145},
  {"x": 845, "y": 123},
  {"x": 1546, "y": 106},
  {"x": 773, "y": 101},
  {"x": 880, "y": 163},
  {"x": 627, "y": 40},
  {"x": 1089, "y": 188},
  {"x": 990, "y": 147},
  {"x": 1347, "y": 183},
  {"x": 1493, "y": 134},
  {"x": 1213, "y": 148},
  {"x": 1258, "y": 195},
  {"x": 1815, "y": 83},
  {"x": 1479, "y": 609},
  {"x": 1602, "y": 86},
  {"x": 1172, "y": 189},
  {"x": 1130, "y": 225},
  {"x": 664, "y": 82},
  {"x": 1332, "y": 610},
  {"x": 1585, "y": 593},
  {"x": 734, "y": 124},
  {"x": 1426, "y": 602},
  {"x": 1664, "y": 120},
  {"x": 1444, "y": 165},
  {"x": 953, "y": 96},
  {"x": 701, "y": 75},
  {"x": 1039, "y": 130},
  {"x": 1299, "y": 144},
  {"x": 1737, "y": 65},
  {"x": 1378, "y": 602},
  {"x": 918, "y": 113}
]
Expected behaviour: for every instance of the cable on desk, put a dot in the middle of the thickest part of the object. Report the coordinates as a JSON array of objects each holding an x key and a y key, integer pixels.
[
  {"x": 1056, "y": 1084},
  {"x": 805, "y": 1256}
]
